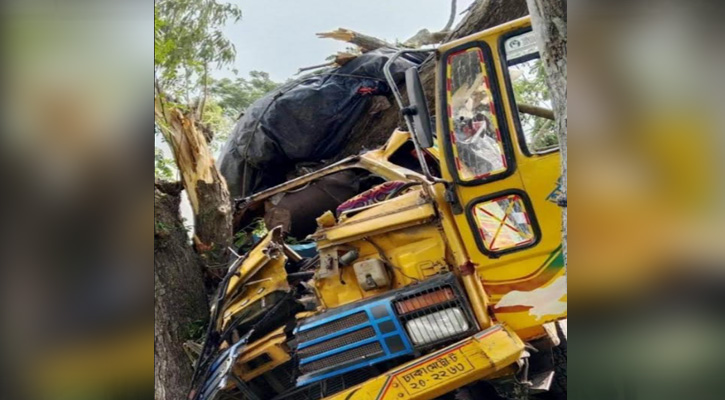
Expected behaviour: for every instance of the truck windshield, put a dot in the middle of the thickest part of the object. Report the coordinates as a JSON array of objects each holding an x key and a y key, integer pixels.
[
  {"x": 531, "y": 94},
  {"x": 474, "y": 131}
]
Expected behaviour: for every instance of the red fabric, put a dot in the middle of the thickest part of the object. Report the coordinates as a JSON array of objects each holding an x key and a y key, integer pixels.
[{"x": 371, "y": 196}]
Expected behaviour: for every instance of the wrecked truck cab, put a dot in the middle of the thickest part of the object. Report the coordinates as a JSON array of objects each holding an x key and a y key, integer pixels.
[
  {"x": 379, "y": 294},
  {"x": 261, "y": 279},
  {"x": 429, "y": 276},
  {"x": 256, "y": 294},
  {"x": 385, "y": 295},
  {"x": 389, "y": 245},
  {"x": 271, "y": 288}
]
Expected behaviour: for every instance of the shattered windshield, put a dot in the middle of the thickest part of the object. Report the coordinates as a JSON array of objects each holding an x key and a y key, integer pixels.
[{"x": 475, "y": 135}]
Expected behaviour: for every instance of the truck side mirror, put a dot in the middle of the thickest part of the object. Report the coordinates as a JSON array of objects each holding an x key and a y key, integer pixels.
[{"x": 418, "y": 109}]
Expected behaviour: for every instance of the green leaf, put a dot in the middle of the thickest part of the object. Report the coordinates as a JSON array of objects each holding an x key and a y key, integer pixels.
[{"x": 187, "y": 37}]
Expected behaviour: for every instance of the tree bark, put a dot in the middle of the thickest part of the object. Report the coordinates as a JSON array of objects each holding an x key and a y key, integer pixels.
[
  {"x": 206, "y": 188},
  {"x": 548, "y": 18},
  {"x": 372, "y": 130},
  {"x": 180, "y": 300}
]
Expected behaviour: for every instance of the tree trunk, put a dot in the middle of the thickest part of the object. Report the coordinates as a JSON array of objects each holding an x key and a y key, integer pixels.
[
  {"x": 548, "y": 18},
  {"x": 180, "y": 300},
  {"x": 372, "y": 130},
  {"x": 206, "y": 188}
]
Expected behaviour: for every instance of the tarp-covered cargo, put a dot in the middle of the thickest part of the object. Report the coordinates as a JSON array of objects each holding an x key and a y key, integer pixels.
[{"x": 306, "y": 120}]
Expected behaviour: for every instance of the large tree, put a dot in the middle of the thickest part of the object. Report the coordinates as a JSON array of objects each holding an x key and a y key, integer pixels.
[
  {"x": 548, "y": 18},
  {"x": 188, "y": 42},
  {"x": 179, "y": 296}
]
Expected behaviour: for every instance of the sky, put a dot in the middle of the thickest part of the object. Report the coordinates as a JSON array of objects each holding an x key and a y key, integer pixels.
[{"x": 278, "y": 36}]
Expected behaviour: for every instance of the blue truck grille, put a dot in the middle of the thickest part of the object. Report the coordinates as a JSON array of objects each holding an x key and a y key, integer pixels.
[
  {"x": 349, "y": 340},
  {"x": 331, "y": 327},
  {"x": 352, "y": 337},
  {"x": 366, "y": 351}
]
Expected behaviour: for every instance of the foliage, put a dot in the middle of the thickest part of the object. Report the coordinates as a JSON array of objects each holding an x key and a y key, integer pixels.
[
  {"x": 531, "y": 88},
  {"x": 234, "y": 96},
  {"x": 163, "y": 167},
  {"x": 244, "y": 238},
  {"x": 195, "y": 330},
  {"x": 188, "y": 42},
  {"x": 230, "y": 98},
  {"x": 215, "y": 117},
  {"x": 161, "y": 228},
  {"x": 187, "y": 39}
]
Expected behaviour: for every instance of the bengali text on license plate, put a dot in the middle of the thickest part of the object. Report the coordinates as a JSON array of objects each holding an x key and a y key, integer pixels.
[{"x": 436, "y": 372}]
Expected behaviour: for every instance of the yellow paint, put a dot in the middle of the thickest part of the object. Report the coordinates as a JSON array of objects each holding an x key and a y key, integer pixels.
[
  {"x": 260, "y": 274},
  {"x": 395, "y": 142},
  {"x": 464, "y": 362},
  {"x": 254, "y": 260},
  {"x": 403, "y": 211},
  {"x": 478, "y": 297},
  {"x": 326, "y": 220},
  {"x": 407, "y": 238},
  {"x": 273, "y": 345}
]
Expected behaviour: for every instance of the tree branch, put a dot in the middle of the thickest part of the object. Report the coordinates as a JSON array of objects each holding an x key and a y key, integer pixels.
[
  {"x": 365, "y": 42},
  {"x": 341, "y": 59},
  {"x": 310, "y": 68},
  {"x": 160, "y": 97},
  {"x": 451, "y": 17},
  {"x": 204, "y": 92},
  {"x": 369, "y": 43},
  {"x": 205, "y": 187},
  {"x": 536, "y": 111},
  {"x": 425, "y": 37}
]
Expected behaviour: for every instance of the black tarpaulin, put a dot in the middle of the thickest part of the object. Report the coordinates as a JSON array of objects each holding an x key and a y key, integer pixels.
[{"x": 306, "y": 120}]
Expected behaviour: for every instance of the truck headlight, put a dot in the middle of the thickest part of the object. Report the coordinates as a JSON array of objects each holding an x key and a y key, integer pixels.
[
  {"x": 435, "y": 312},
  {"x": 437, "y": 326}
]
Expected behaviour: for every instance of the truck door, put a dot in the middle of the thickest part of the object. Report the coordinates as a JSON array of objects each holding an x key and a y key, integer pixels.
[{"x": 505, "y": 169}]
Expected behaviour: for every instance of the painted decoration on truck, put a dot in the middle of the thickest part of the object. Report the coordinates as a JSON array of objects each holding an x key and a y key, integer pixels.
[
  {"x": 544, "y": 295},
  {"x": 557, "y": 193}
]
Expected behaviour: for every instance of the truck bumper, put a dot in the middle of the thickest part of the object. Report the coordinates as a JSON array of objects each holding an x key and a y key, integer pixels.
[{"x": 438, "y": 373}]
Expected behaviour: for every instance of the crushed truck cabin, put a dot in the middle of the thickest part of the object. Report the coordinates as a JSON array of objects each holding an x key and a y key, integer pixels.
[{"x": 429, "y": 264}]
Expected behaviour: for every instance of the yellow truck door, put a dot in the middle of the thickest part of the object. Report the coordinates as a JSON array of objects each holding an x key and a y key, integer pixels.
[{"x": 505, "y": 175}]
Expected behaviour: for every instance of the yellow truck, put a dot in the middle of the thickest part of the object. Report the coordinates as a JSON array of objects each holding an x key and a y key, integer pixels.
[{"x": 441, "y": 277}]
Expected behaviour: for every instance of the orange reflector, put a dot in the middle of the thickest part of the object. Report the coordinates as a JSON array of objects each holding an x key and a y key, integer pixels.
[{"x": 424, "y": 300}]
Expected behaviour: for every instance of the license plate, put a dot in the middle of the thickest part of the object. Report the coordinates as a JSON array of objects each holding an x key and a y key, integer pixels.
[{"x": 435, "y": 372}]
